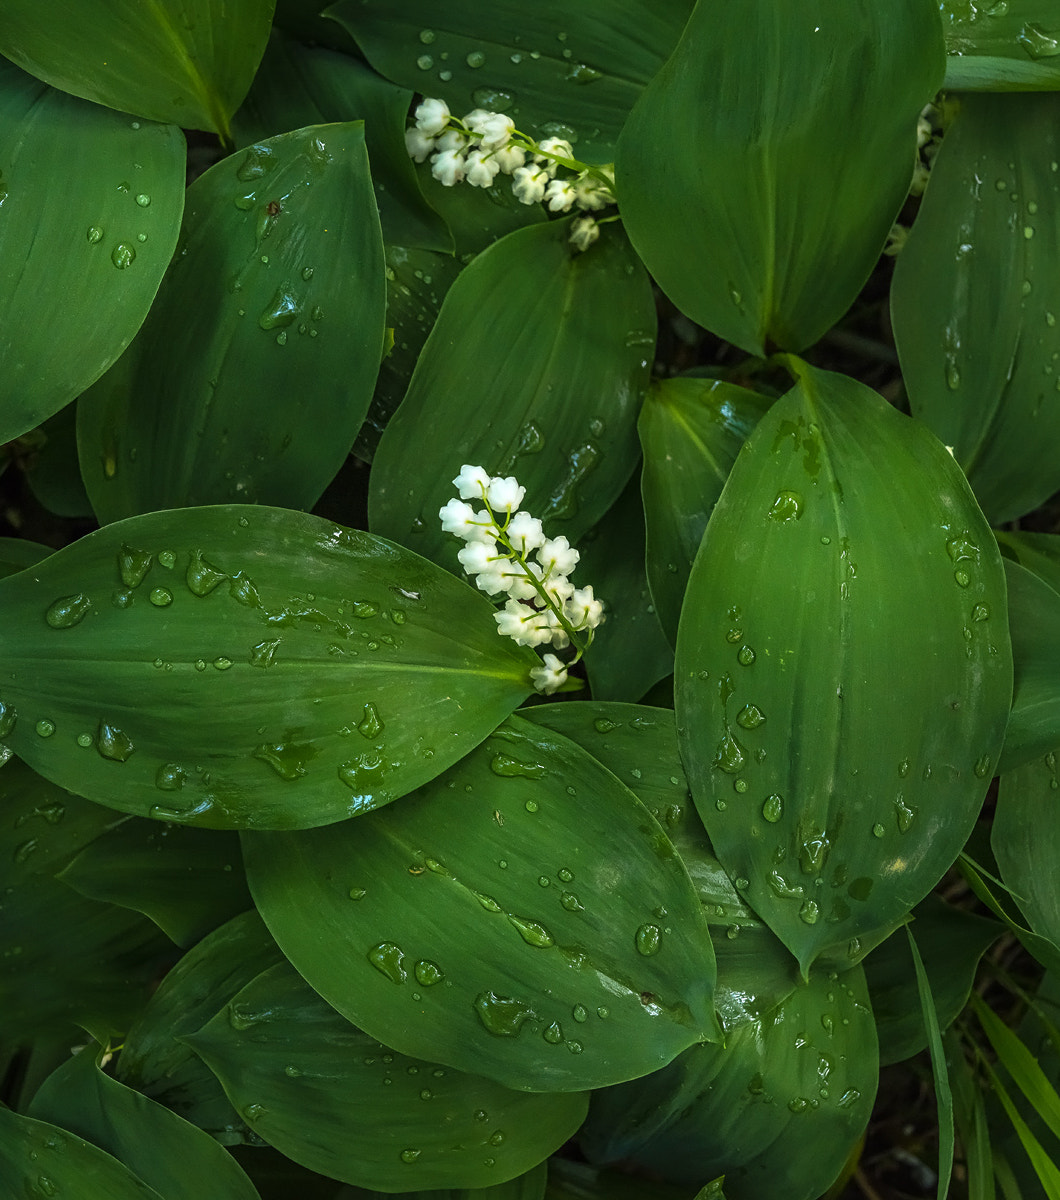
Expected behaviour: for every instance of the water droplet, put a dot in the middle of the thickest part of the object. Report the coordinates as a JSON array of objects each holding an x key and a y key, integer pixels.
[
  {"x": 46, "y": 1186},
  {"x": 143, "y": 199},
  {"x": 878, "y": 830},
  {"x": 580, "y": 1013},
  {"x": 282, "y": 309},
  {"x": 221, "y": 664},
  {"x": 961, "y": 578},
  {"x": 428, "y": 973},
  {"x": 45, "y": 728},
  {"x": 903, "y": 814},
  {"x": 161, "y": 597},
  {"x": 798, "y": 1104},
  {"x": 123, "y": 255},
  {"x": 786, "y": 507},
  {"x": 426, "y": 36},
  {"x": 730, "y": 756},
  {"x": 388, "y": 958},
  {"x": 953, "y": 373},
  {"x": 746, "y": 656},
  {"x": 773, "y": 808},
  {"x": 648, "y": 939},
  {"x": 1038, "y": 44},
  {"x": 425, "y": 62},
  {"x": 200, "y": 577},
  {"x": 288, "y": 759},
  {"x": 359, "y": 893},
  {"x": 257, "y": 161},
  {"x": 409, "y": 1155},
  {"x": 565, "y": 874},
  {"x": 476, "y": 59},
  {"x": 809, "y": 912},
  {"x": 570, "y": 902},
  {"x": 263, "y": 653},
  {"x": 531, "y": 806},
  {"x": 67, "y": 611},
  {"x": 750, "y": 717},
  {"x": 531, "y": 932},
  {"x": 982, "y": 766},
  {"x": 112, "y": 743},
  {"x": 370, "y": 726},
  {"x": 501, "y": 1015},
  {"x": 508, "y": 767}
]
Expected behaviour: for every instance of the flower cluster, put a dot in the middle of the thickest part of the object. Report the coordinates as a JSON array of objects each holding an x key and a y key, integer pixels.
[
  {"x": 543, "y": 606},
  {"x": 481, "y": 145}
]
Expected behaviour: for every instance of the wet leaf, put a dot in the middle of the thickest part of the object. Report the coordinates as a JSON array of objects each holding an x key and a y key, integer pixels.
[
  {"x": 1009, "y": 46},
  {"x": 246, "y": 666},
  {"x": 837, "y": 789}
]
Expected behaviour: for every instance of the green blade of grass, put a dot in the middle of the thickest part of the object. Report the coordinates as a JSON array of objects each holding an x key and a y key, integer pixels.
[
  {"x": 1021, "y": 1065},
  {"x": 1043, "y": 1165},
  {"x": 943, "y": 1094}
]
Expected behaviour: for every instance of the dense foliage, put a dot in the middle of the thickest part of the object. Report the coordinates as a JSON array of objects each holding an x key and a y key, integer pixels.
[{"x": 532, "y": 609}]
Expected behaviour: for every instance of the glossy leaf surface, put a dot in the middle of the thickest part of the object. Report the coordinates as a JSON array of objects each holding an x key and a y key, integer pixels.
[
  {"x": 164, "y": 1150},
  {"x": 157, "y": 1061},
  {"x": 690, "y": 432},
  {"x": 188, "y": 62},
  {"x": 505, "y": 920},
  {"x": 951, "y": 942},
  {"x": 253, "y": 373},
  {"x": 530, "y": 1186},
  {"x": 557, "y": 407},
  {"x": 1013, "y": 46},
  {"x": 755, "y": 236},
  {"x": 32, "y": 1151},
  {"x": 76, "y": 281},
  {"x": 243, "y": 666},
  {"x": 300, "y": 85},
  {"x": 336, "y": 1100},
  {"x": 776, "y": 1110},
  {"x": 18, "y": 553},
  {"x": 1038, "y": 552},
  {"x": 976, "y": 300},
  {"x": 569, "y": 71},
  {"x": 65, "y": 960},
  {"x": 188, "y": 881},
  {"x": 836, "y": 787}
]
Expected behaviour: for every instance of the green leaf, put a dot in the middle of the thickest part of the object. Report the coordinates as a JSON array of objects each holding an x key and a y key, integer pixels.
[
  {"x": 558, "y": 69},
  {"x": 245, "y": 666},
  {"x": 17, "y": 553},
  {"x": 163, "y": 1149},
  {"x": 952, "y": 942},
  {"x": 755, "y": 235},
  {"x": 188, "y": 881},
  {"x": 1020, "y": 1063},
  {"x": 255, "y": 369},
  {"x": 570, "y": 1180},
  {"x": 1034, "y": 621},
  {"x": 1026, "y": 842},
  {"x": 629, "y": 652},
  {"x": 53, "y": 473},
  {"x": 339, "y": 1102},
  {"x": 482, "y": 923},
  {"x": 188, "y": 62},
  {"x": 690, "y": 431},
  {"x": 69, "y": 286},
  {"x": 36, "y": 1159},
  {"x": 1041, "y": 947},
  {"x": 154, "y": 1058},
  {"x": 836, "y": 789},
  {"x": 976, "y": 298},
  {"x": 777, "y": 1109},
  {"x": 1044, "y": 1167},
  {"x": 298, "y": 85},
  {"x": 969, "y": 1111},
  {"x": 943, "y": 1094},
  {"x": 530, "y": 1186},
  {"x": 1001, "y": 47},
  {"x": 65, "y": 961},
  {"x": 554, "y": 378},
  {"x": 1038, "y": 552}
]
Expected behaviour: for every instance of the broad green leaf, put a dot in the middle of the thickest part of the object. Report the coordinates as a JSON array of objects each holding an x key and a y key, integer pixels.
[
  {"x": 777, "y": 1110},
  {"x": 725, "y": 168},
  {"x": 690, "y": 431},
  {"x": 939, "y": 1068},
  {"x": 17, "y": 553},
  {"x": 570, "y": 1180},
  {"x": 629, "y": 652},
  {"x": 336, "y": 1100},
  {"x": 1001, "y": 47},
  {"x": 1026, "y": 841},
  {"x": 156, "y": 1061},
  {"x": 572, "y": 71},
  {"x": 530, "y": 1186},
  {"x": 553, "y": 378},
  {"x": 163, "y": 1149},
  {"x": 255, "y": 368},
  {"x": 247, "y": 667},
  {"x": 79, "y": 267},
  {"x": 188, "y": 881},
  {"x": 951, "y": 942},
  {"x": 976, "y": 298},
  {"x": 639, "y": 746},
  {"x": 483, "y": 923},
  {"x": 53, "y": 473},
  {"x": 300, "y": 85},
  {"x": 1044, "y": 950},
  {"x": 188, "y": 62},
  {"x": 1034, "y": 621},
  {"x": 1038, "y": 552},
  {"x": 65, "y": 960},
  {"x": 478, "y": 217},
  {"x": 837, "y": 789},
  {"x": 37, "y": 1159}
]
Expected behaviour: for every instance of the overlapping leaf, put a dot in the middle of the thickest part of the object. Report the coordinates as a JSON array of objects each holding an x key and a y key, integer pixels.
[
  {"x": 523, "y": 917},
  {"x": 188, "y": 62},
  {"x": 255, "y": 368},
  {"x": 552, "y": 381},
  {"x": 246, "y": 666},
  {"x": 1008, "y": 46},
  {"x": 777, "y": 1109},
  {"x": 690, "y": 431},
  {"x": 976, "y": 300},
  {"x": 77, "y": 277},
  {"x": 841, "y": 711},
  {"x": 560, "y": 69},
  {"x": 336, "y": 1100},
  {"x": 754, "y": 234}
]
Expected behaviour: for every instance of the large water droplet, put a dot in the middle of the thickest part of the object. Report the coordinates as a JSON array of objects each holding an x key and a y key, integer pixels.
[
  {"x": 282, "y": 309},
  {"x": 257, "y": 161},
  {"x": 389, "y": 959},
  {"x": 200, "y": 577},
  {"x": 370, "y": 726},
  {"x": 746, "y": 656},
  {"x": 730, "y": 756},
  {"x": 750, "y": 716},
  {"x": 809, "y": 912},
  {"x": 288, "y": 759},
  {"x": 67, "y": 611},
  {"x": 1038, "y": 44},
  {"x": 428, "y": 973},
  {"x": 409, "y": 1155},
  {"x": 903, "y": 814},
  {"x": 813, "y": 852},
  {"x": 773, "y": 808},
  {"x": 508, "y": 768},
  {"x": 786, "y": 507},
  {"x": 44, "y": 727},
  {"x": 123, "y": 255},
  {"x": 531, "y": 932},
  {"x": 112, "y": 743},
  {"x": 553, "y": 1033},
  {"x": 502, "y": 1016},
  {"x": 648, "y": 938}
]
